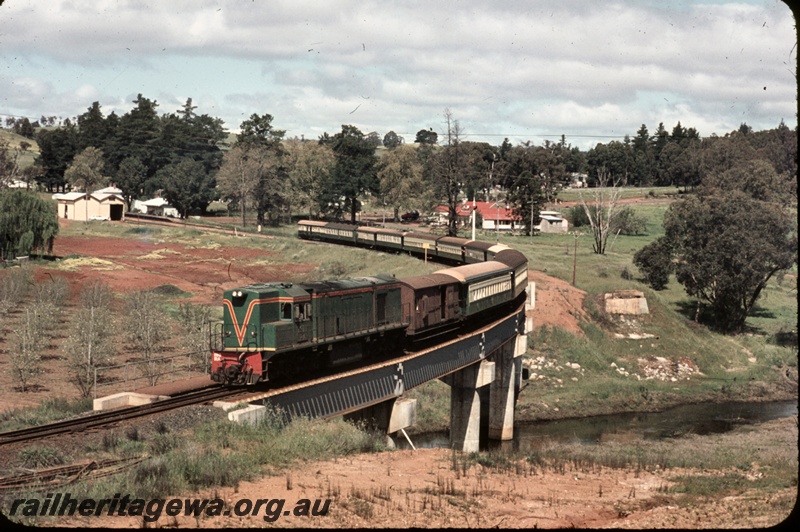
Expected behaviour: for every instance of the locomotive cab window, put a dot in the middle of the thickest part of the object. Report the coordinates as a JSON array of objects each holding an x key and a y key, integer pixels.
[
  {"x": 286, "y": 311},
  {"x": 302, "y": 311}
]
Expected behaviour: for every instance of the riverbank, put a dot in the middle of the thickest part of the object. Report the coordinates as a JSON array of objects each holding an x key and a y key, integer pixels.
[{"x": 757, "y": 394}]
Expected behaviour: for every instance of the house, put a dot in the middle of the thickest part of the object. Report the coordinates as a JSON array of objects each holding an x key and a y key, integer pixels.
[
  {"x": 157, "y": 207},
  {"x": 578, "y": 180},
  {"x": 18, "y": 183},
  {"x": 494, "y": 215},
  {"x": 86, "y": 206},
  {"x": 552, "y": 222}
]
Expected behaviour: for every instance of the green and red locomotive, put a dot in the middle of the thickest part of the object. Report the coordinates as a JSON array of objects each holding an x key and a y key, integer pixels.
[
  {"x": 281, "y": 329},
  {"x": 306, "y": 326}
]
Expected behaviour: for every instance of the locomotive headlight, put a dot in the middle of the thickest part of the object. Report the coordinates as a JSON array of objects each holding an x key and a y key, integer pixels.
[{"x": 237, "y": 293}]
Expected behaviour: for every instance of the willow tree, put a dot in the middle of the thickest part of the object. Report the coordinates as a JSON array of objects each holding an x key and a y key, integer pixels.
[{"x": 28, "y": 224}]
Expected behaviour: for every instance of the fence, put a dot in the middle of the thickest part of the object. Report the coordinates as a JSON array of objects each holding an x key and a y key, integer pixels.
[{"x": 149, "y": 372}]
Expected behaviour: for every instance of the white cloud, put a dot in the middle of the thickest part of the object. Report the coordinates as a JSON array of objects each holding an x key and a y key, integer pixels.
[{"x": 502, "y": 67}]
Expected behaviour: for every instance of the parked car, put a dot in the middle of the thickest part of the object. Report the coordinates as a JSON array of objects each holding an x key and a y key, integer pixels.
[{"x": 410, "y": 216}]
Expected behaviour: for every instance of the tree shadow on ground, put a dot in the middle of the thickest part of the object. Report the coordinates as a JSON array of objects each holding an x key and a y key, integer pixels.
[{"x": 688, "y": 309}]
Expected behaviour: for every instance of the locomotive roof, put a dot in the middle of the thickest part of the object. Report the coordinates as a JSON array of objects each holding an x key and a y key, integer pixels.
[
  {"x": 426, "y": 281},
  {"x": 287, "y": 289},
  {"x": 321, "y": 287},
  {"x": 471, "y": 272}
]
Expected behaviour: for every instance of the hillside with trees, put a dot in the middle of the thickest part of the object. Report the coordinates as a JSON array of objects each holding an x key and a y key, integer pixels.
[{"x": 733, "y": 230}]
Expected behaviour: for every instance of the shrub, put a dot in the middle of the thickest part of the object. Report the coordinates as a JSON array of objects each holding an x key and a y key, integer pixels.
[
  {"x": 36, "y": 457},
  {"x": 577, "y": 216},
  {"x": 627, "y": 222},
  {"x": 654, "y": 261}
]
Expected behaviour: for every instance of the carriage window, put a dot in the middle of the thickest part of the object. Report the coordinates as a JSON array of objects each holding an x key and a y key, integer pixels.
[{"x": 286, "y": 311}]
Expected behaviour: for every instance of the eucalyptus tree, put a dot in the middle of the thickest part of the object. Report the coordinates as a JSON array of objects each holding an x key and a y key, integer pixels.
[
  {"x": 602, "y": 207},
  {"x": 131, "y": 178},
  {"x": 252, "y": 171},
  {"x": 309, "y": 165},
  {"x": 9, "y": 163},
  {"x": 86, "y": 172},
  {"x": 353, "y": 173},
  {"x": 443, "y": 170},
  {"x": 392, "y": 140},
  {"x": 186, "y": 185},
  {"x": 723, "y": 248},
  {"x": 400, "y": 176}
]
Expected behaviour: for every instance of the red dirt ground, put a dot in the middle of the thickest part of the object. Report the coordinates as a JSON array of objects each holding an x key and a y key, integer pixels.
[{"x": 145, "y": 264}]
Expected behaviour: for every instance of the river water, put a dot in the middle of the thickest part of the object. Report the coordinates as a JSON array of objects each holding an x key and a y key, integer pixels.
[{"x": 703, "y": 418}]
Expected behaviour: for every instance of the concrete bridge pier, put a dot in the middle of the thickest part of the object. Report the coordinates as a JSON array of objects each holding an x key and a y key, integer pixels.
[
  {"x": 502, "y": 393},
  {"x": 465, "y": 404},
  {"x": 496, "y": 382}
]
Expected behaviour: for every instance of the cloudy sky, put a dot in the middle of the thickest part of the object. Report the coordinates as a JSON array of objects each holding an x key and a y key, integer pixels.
[{"x": 525, "y": 69}]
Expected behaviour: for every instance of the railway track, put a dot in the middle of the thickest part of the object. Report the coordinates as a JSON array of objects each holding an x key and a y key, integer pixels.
[
  {"x": 115, "y": 416},
  {"x": 144, "y": 219}
]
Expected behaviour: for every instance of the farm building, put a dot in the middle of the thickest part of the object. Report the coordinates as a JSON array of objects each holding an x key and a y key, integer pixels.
[
  {"x": 552, "y": 222},
  {"x": 86, "y": 206},
  {"x": 157, "y": 207}
]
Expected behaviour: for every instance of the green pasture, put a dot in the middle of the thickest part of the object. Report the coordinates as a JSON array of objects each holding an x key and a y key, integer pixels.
[
  {"x": 733, "y": 367},
  {"x": 25, "y": 158}
]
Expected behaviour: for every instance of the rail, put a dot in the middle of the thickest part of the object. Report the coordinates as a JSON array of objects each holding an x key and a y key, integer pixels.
[{"x": 115, "y": 416}]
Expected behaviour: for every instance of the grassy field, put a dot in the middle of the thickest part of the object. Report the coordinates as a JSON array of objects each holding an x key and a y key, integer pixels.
[
  {"x": 26, "y": 157},
  {"x": 753, "y": 365}
]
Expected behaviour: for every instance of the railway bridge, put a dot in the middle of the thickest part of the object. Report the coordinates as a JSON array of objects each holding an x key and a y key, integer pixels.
[{"x": 483, "y": 366}]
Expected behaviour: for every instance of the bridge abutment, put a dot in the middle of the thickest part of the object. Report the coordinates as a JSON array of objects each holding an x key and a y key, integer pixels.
[{"x": 390, "y": 416}]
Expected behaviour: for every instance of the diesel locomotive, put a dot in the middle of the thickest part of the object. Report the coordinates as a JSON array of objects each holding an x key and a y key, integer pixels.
[{"x": 271, "y": 330}]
